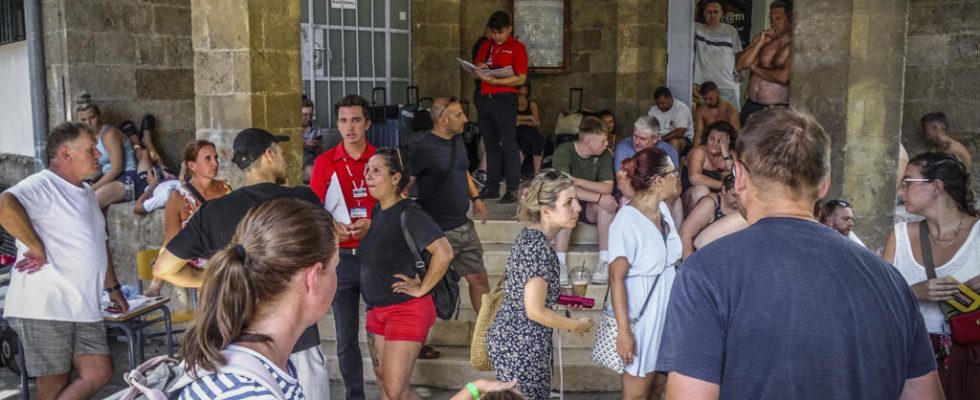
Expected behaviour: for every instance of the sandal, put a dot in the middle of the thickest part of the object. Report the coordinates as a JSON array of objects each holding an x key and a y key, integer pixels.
[
  {"x": 428, "y": 353},
  {"x": 149, "y": 123},
  {"x": 129, "y": 128}
]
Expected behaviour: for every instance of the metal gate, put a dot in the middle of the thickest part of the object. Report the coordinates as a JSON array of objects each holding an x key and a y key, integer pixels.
[{"x": 353, "y": 46}]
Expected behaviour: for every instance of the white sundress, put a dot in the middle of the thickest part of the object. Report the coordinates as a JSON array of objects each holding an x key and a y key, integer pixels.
[{"x": 633, "y": 236}]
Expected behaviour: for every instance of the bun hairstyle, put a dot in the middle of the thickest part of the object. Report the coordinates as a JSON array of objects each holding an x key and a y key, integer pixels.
[
  {"x": 542, "y": 192},
  {"x": 644, "y": 166},
  {"x": 84, "y": 102},
  {"x": 275, "y": 241},
  {"x": 948, "y": 168}
]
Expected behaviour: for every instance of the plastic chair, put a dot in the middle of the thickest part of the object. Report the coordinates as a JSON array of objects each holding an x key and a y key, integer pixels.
[
  {"x": 133, "y": 328},
  {"x": 144, "y": 270}
]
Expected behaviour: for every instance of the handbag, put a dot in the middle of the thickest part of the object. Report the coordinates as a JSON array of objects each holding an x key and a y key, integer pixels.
[
  {"x": 446, "y": 293},
  {"x": 479, "y": 356},
  {"x": 964, "y": 328},
  {"x": 604, "y": 352}
]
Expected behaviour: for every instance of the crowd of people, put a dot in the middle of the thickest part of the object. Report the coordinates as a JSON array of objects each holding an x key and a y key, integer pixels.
[{"x": 728, "y": 274}]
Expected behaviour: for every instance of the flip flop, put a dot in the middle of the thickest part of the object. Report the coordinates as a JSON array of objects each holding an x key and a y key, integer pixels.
[
  {"x": 428, "y": 353},
  {"x": 129, "y": 128}
]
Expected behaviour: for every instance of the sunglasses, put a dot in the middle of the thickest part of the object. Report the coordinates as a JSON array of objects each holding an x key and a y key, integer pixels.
[
  {"x": 452, "y": 100},
  {"x": 393, "y": 150},
  {"x": 550, "y": 175}
]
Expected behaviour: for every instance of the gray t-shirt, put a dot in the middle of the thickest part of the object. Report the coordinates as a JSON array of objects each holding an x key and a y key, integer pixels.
[{"x": 714, "y": 54}]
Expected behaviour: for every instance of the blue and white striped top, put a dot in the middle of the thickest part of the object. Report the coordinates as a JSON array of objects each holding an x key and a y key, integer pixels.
[{"x": 228, "y": 386}]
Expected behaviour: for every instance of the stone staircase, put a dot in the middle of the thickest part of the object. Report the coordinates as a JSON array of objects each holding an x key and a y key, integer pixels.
[{"x": 451, "y": 338}]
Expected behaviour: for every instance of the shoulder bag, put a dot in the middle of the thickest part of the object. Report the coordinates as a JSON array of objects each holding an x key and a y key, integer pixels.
[
  {"x": 963, "y": 328},
  {"x": 446, "y": 293},
  {"x": 479, "y": 356}
]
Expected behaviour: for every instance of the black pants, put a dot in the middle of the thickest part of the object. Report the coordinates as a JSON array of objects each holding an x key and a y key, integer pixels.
[
  {"x": 750, "y": 107},
  {"x": 346, "y": 317},
  {"x": 498, "y": 126}
]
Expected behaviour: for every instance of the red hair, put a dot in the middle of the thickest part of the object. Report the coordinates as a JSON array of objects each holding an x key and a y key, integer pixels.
[{"x": 644, "y": 166}]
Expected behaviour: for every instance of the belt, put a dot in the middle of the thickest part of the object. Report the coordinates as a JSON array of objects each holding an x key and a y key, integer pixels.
[
  {"x": 348, "y": 252},
  {"x": 492, "y": 95},
  {"x": 767, "y": 105}
]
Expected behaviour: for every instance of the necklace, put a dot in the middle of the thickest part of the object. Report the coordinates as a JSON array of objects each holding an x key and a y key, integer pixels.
[{"x": 947, "y": 242}]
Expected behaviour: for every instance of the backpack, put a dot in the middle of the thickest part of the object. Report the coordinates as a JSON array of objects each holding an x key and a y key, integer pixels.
[{"x": 164, "y": 378}]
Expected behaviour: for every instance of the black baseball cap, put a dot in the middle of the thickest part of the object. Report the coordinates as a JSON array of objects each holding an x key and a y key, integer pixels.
[{"x": 251, "y": 143}]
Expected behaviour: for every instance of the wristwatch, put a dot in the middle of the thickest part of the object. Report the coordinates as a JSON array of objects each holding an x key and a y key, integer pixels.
[
  {"x": 113, "y": 288},
  {"x": 728, "y": 158},
  {"x": 475, "y": 198}
]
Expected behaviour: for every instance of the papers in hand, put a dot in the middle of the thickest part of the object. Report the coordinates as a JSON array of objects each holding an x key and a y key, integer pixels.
[
  {"x": 496, "y": 73},
  {"x": 334, "y": 202}
]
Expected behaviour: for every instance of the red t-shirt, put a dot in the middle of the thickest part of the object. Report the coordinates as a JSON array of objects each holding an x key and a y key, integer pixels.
[
  {"x": 511, "y": 53},
  {"x": 350, "y": 175}
]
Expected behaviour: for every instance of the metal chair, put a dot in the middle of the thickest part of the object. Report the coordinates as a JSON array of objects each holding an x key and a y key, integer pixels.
[{"x": 9, "y": 341}]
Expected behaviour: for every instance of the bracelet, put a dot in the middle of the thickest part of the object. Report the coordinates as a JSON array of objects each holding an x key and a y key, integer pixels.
[
  {"x": 475, "y": 198},
  {"x": 113, "y": 288},
  {"x": 473, "y": 391},
  {"x": 728, "y": 158}
]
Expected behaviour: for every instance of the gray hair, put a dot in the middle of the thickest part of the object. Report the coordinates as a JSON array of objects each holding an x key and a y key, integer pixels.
[{"x": 648, "y": 124}]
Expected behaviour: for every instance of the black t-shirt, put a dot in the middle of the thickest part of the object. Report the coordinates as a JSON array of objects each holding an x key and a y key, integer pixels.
[
  {"x": 383, "y": 251},
  {"x": 790, "y": 309},
  {"x": 443, "y": 189},
  {"x": 213, "y": 225}
]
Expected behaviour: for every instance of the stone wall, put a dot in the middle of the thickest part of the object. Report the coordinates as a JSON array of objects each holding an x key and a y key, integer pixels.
[
  {"x": 618, "y": 62},
  {"x": 247, "y": 74},
  {"x": 848, "y": 70},
  {"x": 943, "y": 71},
  {"x": 134, "y": 57}
]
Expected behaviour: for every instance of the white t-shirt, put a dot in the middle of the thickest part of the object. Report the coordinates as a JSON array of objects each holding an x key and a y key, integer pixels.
[
  {"x": 964, "y": 265},
  {"x": 679, "y": 115},
  {"x": 160, "y": 195},
  {"x": 851, "y": 235},
  {"x": 69, "y": 222},
  {"x": 714, "y": 54}
]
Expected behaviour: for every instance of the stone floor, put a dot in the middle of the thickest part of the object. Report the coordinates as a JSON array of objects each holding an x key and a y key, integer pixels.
[{"x": 10, "y": 383}]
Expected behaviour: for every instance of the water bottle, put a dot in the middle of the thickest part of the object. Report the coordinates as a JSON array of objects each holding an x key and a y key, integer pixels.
[{"x": 128, "y": 188}]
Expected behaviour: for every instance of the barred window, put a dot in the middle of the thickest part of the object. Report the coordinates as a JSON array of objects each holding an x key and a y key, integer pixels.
[{"x": 12, "y": 21}]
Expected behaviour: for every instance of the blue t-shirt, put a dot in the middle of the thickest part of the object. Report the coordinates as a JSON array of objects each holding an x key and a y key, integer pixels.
[
  {"x": 791, "y": 309},
  {"x": 624, "y": 150}
]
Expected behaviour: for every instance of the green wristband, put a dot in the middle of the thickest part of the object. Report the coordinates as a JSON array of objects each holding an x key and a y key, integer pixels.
[{"x": 472, "y": 388}]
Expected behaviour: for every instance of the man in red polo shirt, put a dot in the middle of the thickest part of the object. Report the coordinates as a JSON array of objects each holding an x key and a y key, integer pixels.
[
  {"x": 338, "y": 178},
  {"x": 497, "y": 106}
]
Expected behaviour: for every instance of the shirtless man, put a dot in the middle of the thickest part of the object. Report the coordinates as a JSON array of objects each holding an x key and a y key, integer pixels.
[
  {"x": 934, "y": 128},
  {"x": 712, "y": 110},
  {"x": 768, "y": 56}
]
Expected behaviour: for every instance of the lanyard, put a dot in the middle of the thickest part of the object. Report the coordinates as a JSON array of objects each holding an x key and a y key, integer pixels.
[{"x": 357, "y": 188}]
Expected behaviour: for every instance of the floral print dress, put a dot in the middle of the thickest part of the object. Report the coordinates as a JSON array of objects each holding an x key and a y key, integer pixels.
[{"x": 518, "y": 347}]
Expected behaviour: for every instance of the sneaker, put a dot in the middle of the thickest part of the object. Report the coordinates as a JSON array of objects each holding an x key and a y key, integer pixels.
[
  {"x": 487, "y": 194},
  {"x": 480, "y": 176},
  {"x": 508, "y": 198},
  {"x": 601, "y": 274},
  {"x": 563, "y": 276}
]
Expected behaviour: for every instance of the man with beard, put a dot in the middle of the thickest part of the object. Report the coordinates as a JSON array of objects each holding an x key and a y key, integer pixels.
[
  {"x": 712, "y": 110},
  {"x": 838, "y": 214},
  {"x": 258, "y": 154}
]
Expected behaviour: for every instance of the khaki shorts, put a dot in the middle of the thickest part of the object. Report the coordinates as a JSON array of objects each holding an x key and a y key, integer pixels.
[
  {"x": 50, "y": 346},
  {"x": 467, "y": 249}
]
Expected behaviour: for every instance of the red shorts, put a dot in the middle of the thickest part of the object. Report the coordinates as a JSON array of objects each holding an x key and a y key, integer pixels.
[{"x": 408, "y": 321}]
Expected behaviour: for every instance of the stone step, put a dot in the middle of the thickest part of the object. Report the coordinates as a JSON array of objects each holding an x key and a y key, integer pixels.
[
  {"x": 495, "y": 256},
  {"x": 505, "y": 231},
  {"x": 453, "y": 370}
]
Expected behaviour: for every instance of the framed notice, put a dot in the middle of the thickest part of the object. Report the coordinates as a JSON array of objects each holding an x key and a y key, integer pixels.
[{"x": 542, "y": 26}]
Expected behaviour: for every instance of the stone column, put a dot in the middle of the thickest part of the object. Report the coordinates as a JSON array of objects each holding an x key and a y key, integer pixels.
[
  {"x": 848, "y": 70},
  {"x": 247, "y": 74},
  {"x": 641, "y": 56},
  {"x": 435, "y": 45}
]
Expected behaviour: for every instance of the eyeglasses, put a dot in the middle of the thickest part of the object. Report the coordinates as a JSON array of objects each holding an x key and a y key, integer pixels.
[
  {"x": 452, "y": 100},
  {"x": 840, "y": 203},
  {"x": 549, "y": 175},
  {"x": 393, "y": 150},
  {"x": 907, "y": 181},
  {"x": 665, "y": 173}
]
